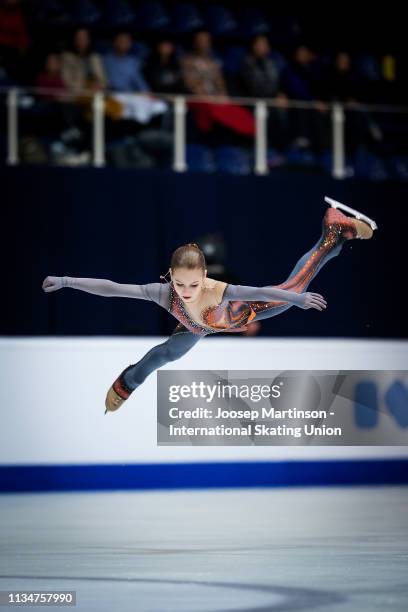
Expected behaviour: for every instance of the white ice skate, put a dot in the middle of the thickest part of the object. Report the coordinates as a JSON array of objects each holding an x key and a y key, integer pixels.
[{"x": 355, "y": 213}]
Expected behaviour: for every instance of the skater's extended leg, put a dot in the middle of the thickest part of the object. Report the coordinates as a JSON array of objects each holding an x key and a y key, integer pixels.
[
  {"x": 336, "y": 230},
  {"x": 177, "y": 345}
]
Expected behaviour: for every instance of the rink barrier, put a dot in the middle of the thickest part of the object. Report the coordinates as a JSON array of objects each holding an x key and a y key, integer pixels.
[{"x": 203, "y": 475}]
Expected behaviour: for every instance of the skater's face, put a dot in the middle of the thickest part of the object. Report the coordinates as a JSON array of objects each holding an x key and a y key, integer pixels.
[{"x": 188, "y": 283}]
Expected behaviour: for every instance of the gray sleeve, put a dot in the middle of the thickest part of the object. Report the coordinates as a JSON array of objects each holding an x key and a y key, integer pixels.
[
  {"x": 242, "y": 293},
  {"x": 155, "y": 292}
]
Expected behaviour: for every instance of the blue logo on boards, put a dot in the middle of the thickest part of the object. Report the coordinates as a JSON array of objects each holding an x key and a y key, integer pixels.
[{"x": 367, "y": 405}]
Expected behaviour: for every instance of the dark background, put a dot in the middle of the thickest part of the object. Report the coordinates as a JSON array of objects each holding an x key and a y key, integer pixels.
[{"x": 124, "y": 224}]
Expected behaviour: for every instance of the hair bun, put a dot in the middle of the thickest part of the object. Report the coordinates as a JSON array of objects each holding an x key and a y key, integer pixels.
[{"x": 193, "y": 244}]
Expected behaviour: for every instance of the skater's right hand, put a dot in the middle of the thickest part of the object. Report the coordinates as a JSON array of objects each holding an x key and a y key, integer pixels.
[
  {"x": 53, "y": 283},
  {"x": 311, "y": 300}
]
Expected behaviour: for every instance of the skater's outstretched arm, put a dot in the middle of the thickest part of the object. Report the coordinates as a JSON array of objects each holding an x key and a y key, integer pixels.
[
  {"x": 242, "y": 293},
  {"x": 156, "y": 292}
]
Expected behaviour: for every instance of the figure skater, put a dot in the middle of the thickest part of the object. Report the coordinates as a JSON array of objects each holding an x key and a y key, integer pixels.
[{"x": 205, "y": 306}]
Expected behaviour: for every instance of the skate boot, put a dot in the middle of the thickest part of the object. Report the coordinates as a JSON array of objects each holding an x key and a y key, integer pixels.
[
  {"x": 117, "y": 393},
  {"x": 356, "y": 226}
]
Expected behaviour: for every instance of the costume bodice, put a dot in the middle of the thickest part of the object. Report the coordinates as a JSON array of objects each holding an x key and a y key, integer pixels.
[{"x": 224, "y": 317}]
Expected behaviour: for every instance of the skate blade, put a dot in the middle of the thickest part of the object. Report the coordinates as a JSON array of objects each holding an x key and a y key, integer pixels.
[{"x": 353, "y": 212}]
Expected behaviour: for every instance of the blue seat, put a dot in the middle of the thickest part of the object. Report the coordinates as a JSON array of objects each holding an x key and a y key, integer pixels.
[
  {"x": 279, "y": 60},
  {"x": 186, "y": 18},
  {"x": 325, "y": 161},
  {"x": 370, "y": 166},
  {"x": 284, "y": 31},
  {"x": 52, "y": 12},
  {"x": 398, "y": 165},
  {"x": 233, "y": 160},
  {"x": 368, "y": 67},
  {"x": 199, "y": 158},
  {"x": 252, "y": 22},
  {"x": 300, "y": 157},
  {"x": 220, "y": 21},
  {"x": 152, "y": 17},
  {"x": 118, "y": 13},
  {"x": 85, "y": 12},
  {"x": 275, "y": 159},
  {"x": 233, "y": 58}
]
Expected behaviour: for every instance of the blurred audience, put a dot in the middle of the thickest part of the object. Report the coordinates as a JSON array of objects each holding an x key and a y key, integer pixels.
[
  {"x": 14, "y": 40},
  {"x": 203, "y": 77},
  {"x": 51, "y": 76},
  {"x": 163, "y": 69},
  {"x": 304, "y": 80},
  {"x": 303, "y": 75},
  {"x": 261, "y": 78},
  {"x": 202, "y": 74},
  {"x": 81, "y": 67},
  {"x": 13, "y": 31},
  {"x": 344, "y": 85},
  {"x": 277, "y": 75},
  {"x": 123, "y": 69},
  {"x": 343, "y": 82},
  {"x": 259, "y": 73}
]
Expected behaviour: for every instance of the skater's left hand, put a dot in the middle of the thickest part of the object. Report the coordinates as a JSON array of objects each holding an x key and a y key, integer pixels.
[{"x": 311, "y": 300}]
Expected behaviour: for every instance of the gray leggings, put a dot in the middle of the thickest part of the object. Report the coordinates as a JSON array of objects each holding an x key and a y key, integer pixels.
[{"x": 179, "y": 343}]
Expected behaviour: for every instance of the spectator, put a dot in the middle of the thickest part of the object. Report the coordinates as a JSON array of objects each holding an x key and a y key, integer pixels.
[
  {"x": 51, "y": 76},
  {"x": 203, "y": 77},
  {"x": 343, "y": 82},
  {"x": 259, "y": 73},
  {"x": 202, "y": 74},
  {"x": 123, "y": 69},
  {"x": 361, "y": 128},
  {"x": 53, "y": 113},
  {"x": 81, "y": 67},
  {"x": 14, "y": 39},
  {"x": 304, "y": 81},
  {"x": 13, "y": 33},
  {"x": 303, "y": 77},
  {"x": 261, "y": 79},
  {"x": 163, "y": 70}
]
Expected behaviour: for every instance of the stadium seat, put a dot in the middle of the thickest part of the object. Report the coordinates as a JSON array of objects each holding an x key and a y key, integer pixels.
[
  {"x": 399, "y": 167},
  {"x": 252, "y": 22},
  {"x": 325, "y": 161},
  {"x": 152, "y": 17},
  {"x": 186, "y": 18},
  {"x": 85, "y": 12},
  {"x": 368, "y": 165},
  {"x": 298, "y": 156},
  {"x": 233, "y": 58},
  {"x": 283, "y": 30},
  {"x": 200, "y": 158},
  {"x": 220, "y": 20},
  {"x": 52, "y": 12},
  {"x": 233, "y": 160},
  {"x": 119, "y": 13}
]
